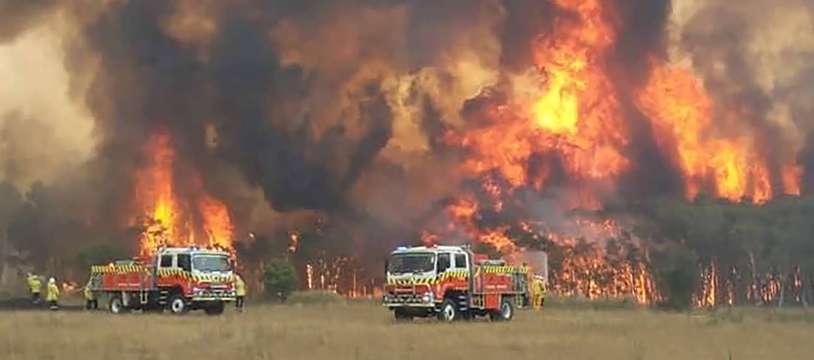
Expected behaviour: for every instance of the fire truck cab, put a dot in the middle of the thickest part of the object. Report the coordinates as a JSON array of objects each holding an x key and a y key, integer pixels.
[
  {"x": 175, "y": 279},
  {"x": 452, "y": 283}
]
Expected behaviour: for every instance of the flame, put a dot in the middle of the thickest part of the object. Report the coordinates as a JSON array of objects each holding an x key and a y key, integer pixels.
[
  {"x": 429, "y": 239},
  {"x": 593, "y": 271},
  {"x": 331, "y": 274},
  {"x": 720, "y": 288},
  {"x": 309, "y": 276},
  {"x": 579, "y": 107},
  {"x": 68, "y": 287},
  {"x": 169, "y": 220},
  {"x": 682, "y": 116},
  {"x": 293, "y": 241},
  {"x": 571, "y": 114},
  {"x": 216, "y": 221},
  {"x": 561, "y": 126},
  {"x": 497, "y": 238}
]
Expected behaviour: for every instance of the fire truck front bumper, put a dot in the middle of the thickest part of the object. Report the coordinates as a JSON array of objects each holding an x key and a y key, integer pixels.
[
  {"x": 213, "y": 295},
  {"x": 393, "y": 300}
]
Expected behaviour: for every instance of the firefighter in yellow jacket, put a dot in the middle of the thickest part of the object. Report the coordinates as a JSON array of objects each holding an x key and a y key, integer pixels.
[
  {"x": 537, "y": 292},
  {"x": 240, "y": 292},
  {"x": 35, "y": 287},
  {"x": 53, "y": 294},
  {"x": 91, "y": 303}
]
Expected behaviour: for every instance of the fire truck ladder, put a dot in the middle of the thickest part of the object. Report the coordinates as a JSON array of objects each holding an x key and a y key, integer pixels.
[
  {"x": 144, "y": 296},
  {"x": 471, "y": 298},
  {"x": 163, "y": 295}
]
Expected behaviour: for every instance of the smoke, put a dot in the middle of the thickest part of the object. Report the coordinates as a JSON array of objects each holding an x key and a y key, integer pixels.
[
  {"x": 748, "y": 56},
  {"x": 16, "y": 16},
  {"x": 43, "y": 131},
  {"x": 642, "y": 35},
  {"x": 350, "y": 110}
]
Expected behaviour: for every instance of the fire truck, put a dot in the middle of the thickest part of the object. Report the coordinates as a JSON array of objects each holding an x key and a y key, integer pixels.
[
  {"x": 173, "y": 279},
  {"x": 453, "y": 283}
]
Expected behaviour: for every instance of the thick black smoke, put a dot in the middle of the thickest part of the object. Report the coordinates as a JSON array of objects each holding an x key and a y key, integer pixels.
[
  {"x": 152, "y": 80},
  {"x": 642, "y": 38},
  {"x": 276, "y": 148},
  {"x": 525, "y": 20}
]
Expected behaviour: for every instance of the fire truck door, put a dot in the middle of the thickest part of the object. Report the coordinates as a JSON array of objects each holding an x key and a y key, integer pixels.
[
  {"x": 462, "y": 263},
  {"x": 164, "y": 262}
]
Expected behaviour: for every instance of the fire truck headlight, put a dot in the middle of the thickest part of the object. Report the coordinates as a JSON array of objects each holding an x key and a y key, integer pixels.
[{"x": 427, "y": 298}]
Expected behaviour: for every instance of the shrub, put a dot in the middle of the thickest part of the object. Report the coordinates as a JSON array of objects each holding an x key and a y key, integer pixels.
[
  {"x": 676, "y": 273},
  {"x": 279, "y": 279}
]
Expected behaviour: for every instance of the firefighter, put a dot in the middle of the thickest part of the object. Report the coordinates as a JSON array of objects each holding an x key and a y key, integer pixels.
[
  {"x": 53, "y": 294},
  {"x": 240, "y": 292},
  {"x": 538, "y": 292},
  {"x": 91, "y": 303},
  {"x": 35, "y": 286}
]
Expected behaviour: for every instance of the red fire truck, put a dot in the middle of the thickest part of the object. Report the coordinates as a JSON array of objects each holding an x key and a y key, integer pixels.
[
  {"x": 174, "y": 279},
  {"x": 452, "y": 283}
]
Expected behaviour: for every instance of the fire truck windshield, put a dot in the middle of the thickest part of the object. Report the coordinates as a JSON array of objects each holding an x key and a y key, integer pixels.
[
  {"x": 211, "y": 263},
  {"x": 411, "y": 263}
]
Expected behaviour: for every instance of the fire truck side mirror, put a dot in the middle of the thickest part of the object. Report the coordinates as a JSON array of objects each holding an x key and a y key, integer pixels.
[{"x": 386, "y": 265}]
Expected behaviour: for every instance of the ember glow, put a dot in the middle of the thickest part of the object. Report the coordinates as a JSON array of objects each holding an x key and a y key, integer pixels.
[{"x": 166, "y": 218}]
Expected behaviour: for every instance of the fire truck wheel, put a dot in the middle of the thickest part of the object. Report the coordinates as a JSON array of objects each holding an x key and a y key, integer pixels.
[
  {"x": 214, "y": 309},
  {"x": 116, "y": 306},
  {"x": 505, "y": 313},
  {"x": 402, "y": 315},
  {"x": 449, "y": 311},
  {"x": 177, "y": 304}
]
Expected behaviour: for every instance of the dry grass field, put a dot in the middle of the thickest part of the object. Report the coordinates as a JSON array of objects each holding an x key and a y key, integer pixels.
[{"x": 366, "y": 331}]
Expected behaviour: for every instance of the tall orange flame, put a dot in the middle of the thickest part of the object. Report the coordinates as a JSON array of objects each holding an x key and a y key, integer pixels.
[
  {"x": 682, "y": 115},
  {"x": 169, "y": 220}
]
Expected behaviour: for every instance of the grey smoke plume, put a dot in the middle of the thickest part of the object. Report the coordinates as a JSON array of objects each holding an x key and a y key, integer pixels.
[{"x": 17, "y": 16}]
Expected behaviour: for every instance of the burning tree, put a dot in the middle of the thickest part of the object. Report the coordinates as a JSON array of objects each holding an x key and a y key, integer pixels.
[{"x": 169, "y": 219}]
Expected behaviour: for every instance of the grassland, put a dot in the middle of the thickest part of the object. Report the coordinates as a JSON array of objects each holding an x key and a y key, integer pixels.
[{"x": 366, "y": 331}]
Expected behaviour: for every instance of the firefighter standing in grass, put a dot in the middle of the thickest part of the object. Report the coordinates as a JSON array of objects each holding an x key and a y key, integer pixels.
[
  {"x": 240, "y": 292},
  {"x": 53, "y": 294},
  {"x": 91, "y": 303},
  {"x": 35, "y": 286},
  {"x": 538, "y": 292}
]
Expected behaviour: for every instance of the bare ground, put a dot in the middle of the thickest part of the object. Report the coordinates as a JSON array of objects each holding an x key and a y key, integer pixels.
[{"x": 365, "y": 331}]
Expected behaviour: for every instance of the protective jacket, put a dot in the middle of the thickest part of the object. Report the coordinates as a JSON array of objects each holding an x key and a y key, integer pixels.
[
  {"x": 34, "y": 284},
  {"x": 53, "y": 292},
  {"x": 240, "y": 286},
  {"x": 89, "y": 295}
]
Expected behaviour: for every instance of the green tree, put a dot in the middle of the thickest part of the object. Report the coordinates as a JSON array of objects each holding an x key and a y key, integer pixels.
[
  {"x": 676, "y": 272},
  {"x": 280, "y": 279}
]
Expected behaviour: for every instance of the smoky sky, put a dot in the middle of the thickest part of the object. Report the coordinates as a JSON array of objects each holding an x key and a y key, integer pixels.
[
  {"x": 18, "y": 15},
  {"x": 308, "y": 123}
]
